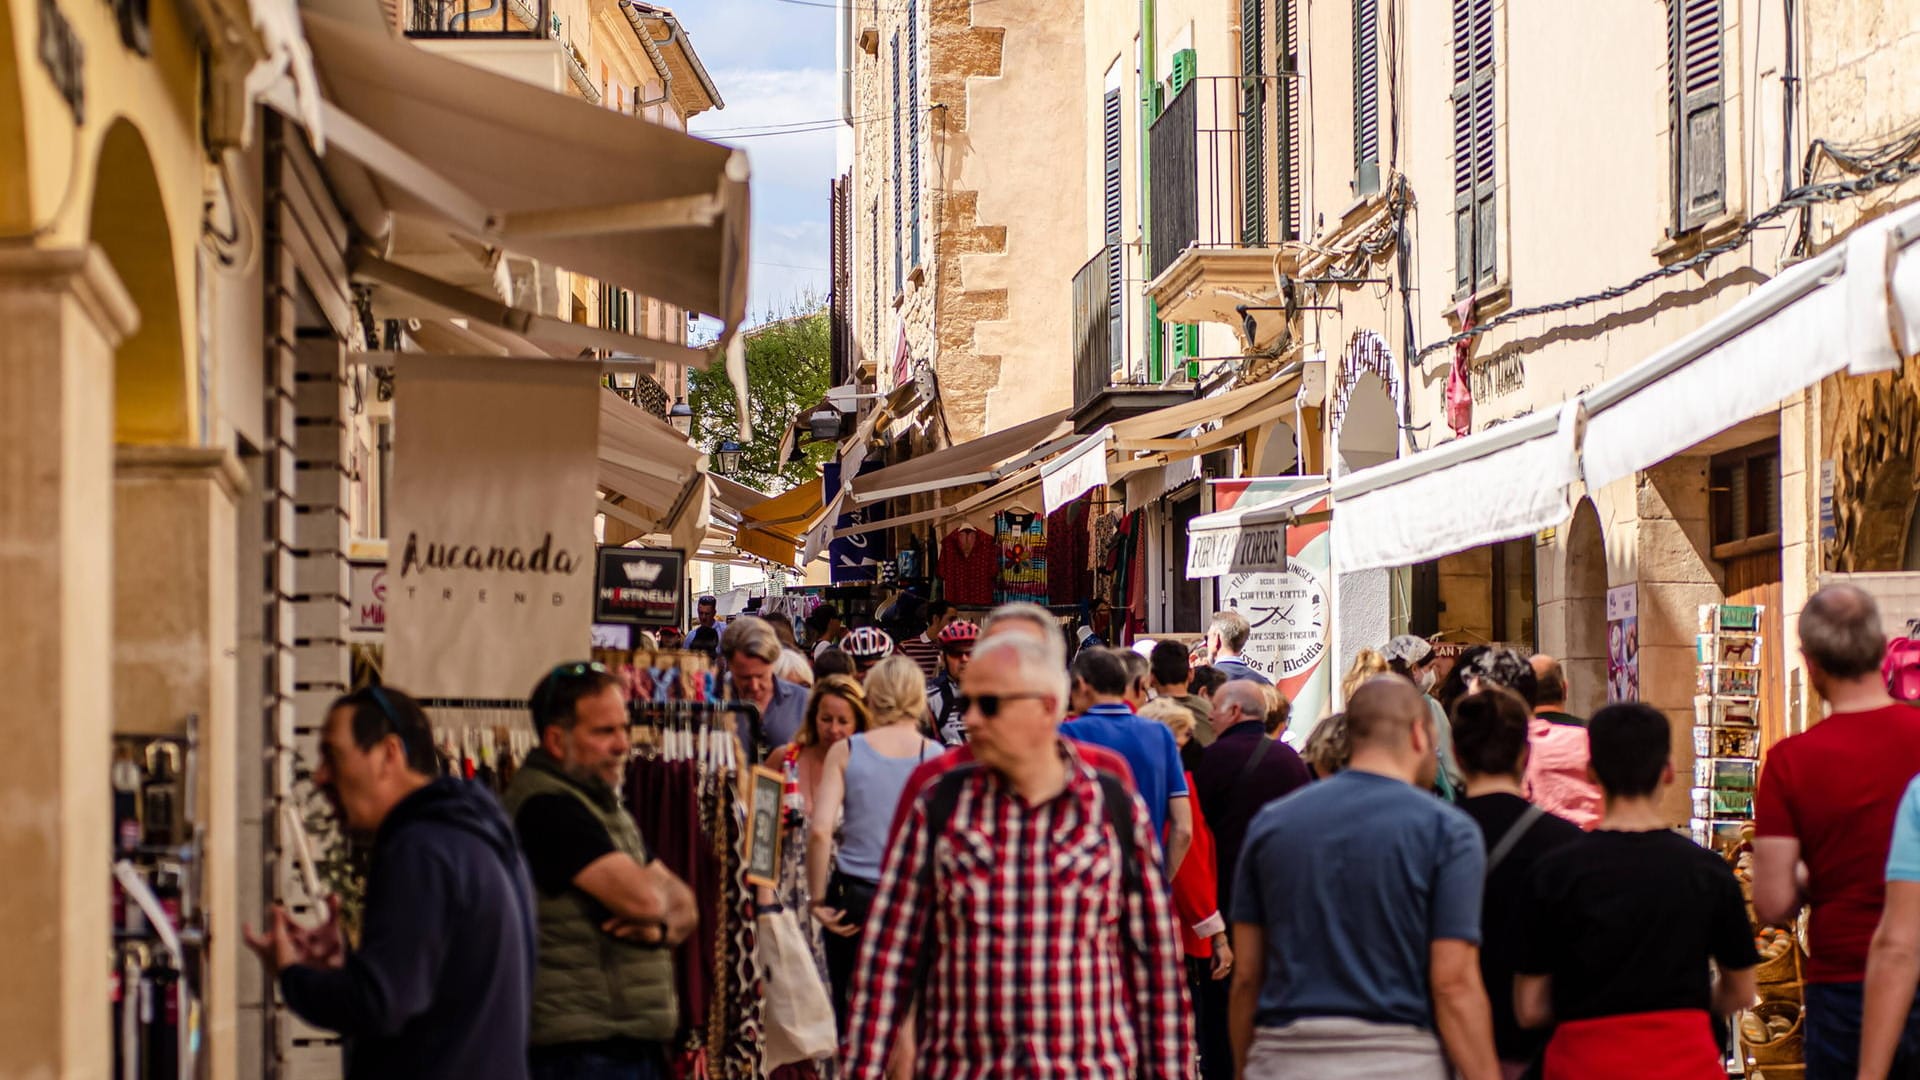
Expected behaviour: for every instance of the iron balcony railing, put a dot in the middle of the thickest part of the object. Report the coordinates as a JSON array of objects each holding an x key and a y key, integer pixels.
[
  {"x": 1207, "y": 190},
  {"x": 481, "y": 19},
  {"x": 1099, "y": 332}
]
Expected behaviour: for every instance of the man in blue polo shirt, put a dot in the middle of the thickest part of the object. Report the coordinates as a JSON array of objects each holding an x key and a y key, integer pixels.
[{"x": 1101, "y": 717}]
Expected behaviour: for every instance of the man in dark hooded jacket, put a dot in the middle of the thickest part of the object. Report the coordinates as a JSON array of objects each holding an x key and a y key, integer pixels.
[{"x": 442, "y": 982}]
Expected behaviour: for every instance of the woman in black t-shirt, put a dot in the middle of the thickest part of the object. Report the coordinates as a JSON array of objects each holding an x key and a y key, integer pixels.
[{"x": 1625, "y": 922}]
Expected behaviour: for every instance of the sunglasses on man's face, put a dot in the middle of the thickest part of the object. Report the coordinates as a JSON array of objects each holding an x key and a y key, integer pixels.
[{"x": 991, "y": 704}]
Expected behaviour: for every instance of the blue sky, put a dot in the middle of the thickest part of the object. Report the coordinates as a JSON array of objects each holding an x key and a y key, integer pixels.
[{"x": 773, "y": 63}]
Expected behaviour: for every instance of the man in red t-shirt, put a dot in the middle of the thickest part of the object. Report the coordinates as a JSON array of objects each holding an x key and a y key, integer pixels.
[{"x": 1824, "y": 817}]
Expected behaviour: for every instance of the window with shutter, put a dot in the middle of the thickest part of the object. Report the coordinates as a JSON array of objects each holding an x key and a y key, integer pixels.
[
  {"x": 1695, "y": 99},
  {"x": 899, "y": 187},
  {"x": 1253, "y": 159},
  {"x": 913, "y": 132},
  {"x": 1186, "y": 337},
  {"x": 1366, "y": 97},
  {"x": 1475, "y": 222},
  {"x": 1287, "y": 38},
  {"x": 1110, "y": 207}
]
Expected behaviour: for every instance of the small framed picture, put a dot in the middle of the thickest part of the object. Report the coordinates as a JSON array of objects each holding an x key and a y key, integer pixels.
[
  {"x": 763, "y": 827},
  {"x": 1702, "y": 802},
  {"x": 1734, "y": 742},
  {"x": 1732, "y": 803},
  {"x": 1736, "y": 681},
  {"x": 1702, "y": 742},
  {"x": 1734, "y": 774},
  {"x": 1736, "y": 713}
]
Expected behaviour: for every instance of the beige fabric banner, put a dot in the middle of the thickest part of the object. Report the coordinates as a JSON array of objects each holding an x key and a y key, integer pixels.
[{"x": 490, "y": 557}]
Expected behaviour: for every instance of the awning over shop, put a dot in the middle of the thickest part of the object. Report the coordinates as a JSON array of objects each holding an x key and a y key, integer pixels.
[
  {"x": 1245, "y": 539},
  {"x": 776, "y": 529},
  {"x": 650, "y": 476},
  {"x": 516, "y": 166},
  {"x": 980, "y": 461},
  {"x": 1162, "y": 436},
  {"x": 1856, "y": 306},
  {"x": 1499, "y": 484}
]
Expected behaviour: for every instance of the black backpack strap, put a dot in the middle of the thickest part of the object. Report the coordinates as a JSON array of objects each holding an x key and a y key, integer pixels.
[
  {"x": 943, "y": 797},
  {"x": 1253, "y": 760}
]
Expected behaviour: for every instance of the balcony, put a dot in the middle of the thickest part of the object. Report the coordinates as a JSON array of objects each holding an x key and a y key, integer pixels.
[
  {"x": 482, "y": 19},
  {"x": 1215, "y": 232},
  {"x": 1106, "y": 385}
]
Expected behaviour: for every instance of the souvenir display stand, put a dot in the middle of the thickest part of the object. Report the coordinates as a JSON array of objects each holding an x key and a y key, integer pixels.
[
  {"x": 159, "y": 925},
  {"x": 1726, "y": 767}
]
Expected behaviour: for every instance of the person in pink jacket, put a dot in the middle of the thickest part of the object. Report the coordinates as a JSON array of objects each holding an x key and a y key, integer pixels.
[{"x": 1557, "y": 776}]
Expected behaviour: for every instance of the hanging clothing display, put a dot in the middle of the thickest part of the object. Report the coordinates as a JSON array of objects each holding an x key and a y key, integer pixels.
[
  {"x": 1069, "y": 562},
  {"x": 969, "y": 560},
  {"x": 1022, "y": 536},
  {"x": 1100, "y": 554},
  {"x": 683, "y": 788}
]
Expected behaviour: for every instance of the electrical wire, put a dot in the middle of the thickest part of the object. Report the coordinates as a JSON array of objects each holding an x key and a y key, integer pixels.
[{"x": 1807, "y": 196}]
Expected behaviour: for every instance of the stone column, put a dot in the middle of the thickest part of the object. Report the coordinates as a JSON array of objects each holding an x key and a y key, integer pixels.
[
  {"x": 1676, "y": 574},
  {"x": 173, "y": 656},
  {"x": 65, "y": 311}
]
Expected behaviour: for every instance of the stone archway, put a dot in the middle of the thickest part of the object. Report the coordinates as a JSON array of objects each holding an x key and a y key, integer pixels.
[
  {"x": 1585, "y": 612},
  {"x": 1366, "y": 404},
  {"x": 16, "y": 196},
  {"x": 152, "y": 390}
]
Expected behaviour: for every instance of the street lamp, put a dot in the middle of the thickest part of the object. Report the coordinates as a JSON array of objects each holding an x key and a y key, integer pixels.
[
  {"x": 681, "y": 416},
  {"x": 728, "y": 458}
]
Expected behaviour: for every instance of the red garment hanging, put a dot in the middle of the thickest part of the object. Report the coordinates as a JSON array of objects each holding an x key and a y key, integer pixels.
[{"x": 969, "y": 562}]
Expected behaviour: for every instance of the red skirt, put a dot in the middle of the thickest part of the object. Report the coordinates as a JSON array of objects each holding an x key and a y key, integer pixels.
[{"x": 1673, "y": 1045}]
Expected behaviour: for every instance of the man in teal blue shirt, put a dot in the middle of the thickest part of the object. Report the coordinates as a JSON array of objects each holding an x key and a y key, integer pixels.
[
  {"x": 1101, "y": 717},
  {"x": 1890, "y": 1026}
]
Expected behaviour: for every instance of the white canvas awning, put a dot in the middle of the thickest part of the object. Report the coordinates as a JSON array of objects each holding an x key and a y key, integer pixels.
[
  {"x": 1855, "y": 307},
  {"x": 652, "y": 480},
  {"x": 1248, "y": 538},
  {"x": 519, "y": 167},
  {"x": 978, "y": 461},
  {"x": 1499, "y": 484}
]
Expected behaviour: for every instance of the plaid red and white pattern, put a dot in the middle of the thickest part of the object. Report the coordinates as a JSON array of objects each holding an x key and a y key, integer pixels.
[{"x": 1033, "y": 975}]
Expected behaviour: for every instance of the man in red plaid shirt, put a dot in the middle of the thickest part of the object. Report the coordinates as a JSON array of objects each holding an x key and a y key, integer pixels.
[{"x": 1030, "y": 950}]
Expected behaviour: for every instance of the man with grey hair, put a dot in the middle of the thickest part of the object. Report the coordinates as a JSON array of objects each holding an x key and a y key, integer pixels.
[
  {"x": 1824, "y": 814},
  {"x": 750, "y": 649},
  {"x": 1227, "y": 634},
  {"x": 1028, "y": 867},
  {"x": 1243, "y": 771},
  {"x": 1035, "y": 621},
  {"x": 1035, "y": 624}
]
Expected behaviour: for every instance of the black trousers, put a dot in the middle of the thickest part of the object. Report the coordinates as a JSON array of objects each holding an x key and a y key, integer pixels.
[
  {"x": 1210, "y": 1019},
  {"x": 854, "y": 897}
]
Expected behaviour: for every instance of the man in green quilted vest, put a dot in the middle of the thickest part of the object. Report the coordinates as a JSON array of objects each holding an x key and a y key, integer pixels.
[{"x": 609, "y": 915}]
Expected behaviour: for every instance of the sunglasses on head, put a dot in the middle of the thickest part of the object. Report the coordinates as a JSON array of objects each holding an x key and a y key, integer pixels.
[
  {"x": 991, "y": 704},
  {"x": 575, "y": 670}
]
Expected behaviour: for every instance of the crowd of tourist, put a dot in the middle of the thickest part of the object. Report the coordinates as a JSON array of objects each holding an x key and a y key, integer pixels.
[{"x": 1021, "y": 859}]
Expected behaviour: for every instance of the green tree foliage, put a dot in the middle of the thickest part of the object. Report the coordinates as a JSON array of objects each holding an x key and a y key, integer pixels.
[{"x": 788, "y": 369}]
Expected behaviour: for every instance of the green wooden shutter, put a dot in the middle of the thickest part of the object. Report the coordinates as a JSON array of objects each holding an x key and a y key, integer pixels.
[
  {"x": 1366, "y": 97},
  {"x": 1696, "y": 100},
  {"x": 1287, "y": 44},
  {"x": 1253, "y": 159},
  {"x": 1184, "y": 64}
]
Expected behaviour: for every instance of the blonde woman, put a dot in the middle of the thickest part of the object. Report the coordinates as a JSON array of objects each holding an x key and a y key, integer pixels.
[
  {"x": 1367, "y": 663},
  {"x": 860, "y": 785},
  {"x": 836, "y": 711}
]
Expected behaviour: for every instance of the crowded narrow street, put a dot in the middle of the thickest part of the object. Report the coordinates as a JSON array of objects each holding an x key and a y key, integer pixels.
[{"x": 960, "y": 539}]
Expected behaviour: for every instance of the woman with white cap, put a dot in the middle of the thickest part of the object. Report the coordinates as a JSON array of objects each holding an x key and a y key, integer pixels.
[{"x": 1411, "y": 656}]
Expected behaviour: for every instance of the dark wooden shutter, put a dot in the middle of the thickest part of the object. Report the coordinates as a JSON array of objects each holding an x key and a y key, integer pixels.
[
  {"x": 1695, "y": 94},
  {"x": 1474, "y": 220},
  {"x": 1253, "y": 157},
  {"x": 899, "y": 187},
  {"x": 1287, "y": 39},
  {"x": 1366, "y": 97},
  {"x": 913, "y": 132},
  {"x": 1484, "y": 221},
  {"x": 1110, "y": 207}
]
